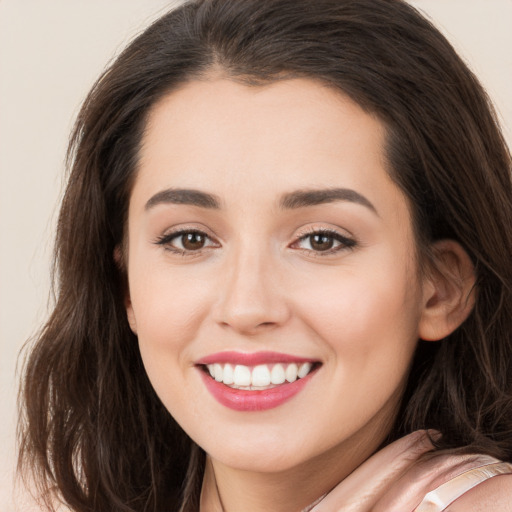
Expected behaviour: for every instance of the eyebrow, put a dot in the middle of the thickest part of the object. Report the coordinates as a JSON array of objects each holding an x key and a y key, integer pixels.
[
  {"x": 304, "y": 198},
  {"x": 289, "y": 201},
  {"x": 184, "y": 196}
]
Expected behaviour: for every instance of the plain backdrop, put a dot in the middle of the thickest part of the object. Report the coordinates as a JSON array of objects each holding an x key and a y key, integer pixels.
[{"x": 51, "y": 51}]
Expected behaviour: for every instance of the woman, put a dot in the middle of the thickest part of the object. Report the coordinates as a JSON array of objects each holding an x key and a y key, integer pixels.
[{"x": 283, "y": 253}]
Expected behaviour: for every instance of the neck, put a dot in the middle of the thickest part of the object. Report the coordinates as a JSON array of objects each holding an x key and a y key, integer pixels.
[{"x": 233, "y": 489}]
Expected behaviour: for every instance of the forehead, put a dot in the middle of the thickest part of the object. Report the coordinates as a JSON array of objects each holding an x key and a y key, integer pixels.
[{"x": 240, "y": 140}]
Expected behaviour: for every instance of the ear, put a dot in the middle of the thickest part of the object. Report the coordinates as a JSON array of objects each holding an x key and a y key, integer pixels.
[
  {"x": 121, "y": 265},
  {"x": 448, "y": 291}
]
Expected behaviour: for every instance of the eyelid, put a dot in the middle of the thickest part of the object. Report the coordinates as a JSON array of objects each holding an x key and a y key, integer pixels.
[
  {"x": 312, "y": 229},
  {"x": 346, "y": 241},
  {"x": 169, "y": 235}
]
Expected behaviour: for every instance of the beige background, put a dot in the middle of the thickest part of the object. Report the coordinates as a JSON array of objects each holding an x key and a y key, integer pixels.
[{"x": 50, "y": 53}]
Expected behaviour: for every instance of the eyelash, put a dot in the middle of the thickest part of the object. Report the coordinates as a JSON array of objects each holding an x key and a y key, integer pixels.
[
  {"x": 344, "y": 242},
  {"x": 166, "y": 240}
]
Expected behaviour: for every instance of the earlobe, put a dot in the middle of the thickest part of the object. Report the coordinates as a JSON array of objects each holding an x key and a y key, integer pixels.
[
  {"x": 120, "y": 262},
  {"x": 448, "y": 291},
  {"x": 130, "y": 315}
]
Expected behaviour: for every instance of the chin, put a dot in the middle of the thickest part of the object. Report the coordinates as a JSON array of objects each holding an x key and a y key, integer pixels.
[
  {"x": 258, "y": 461},
  {"x": 269, "y": 452}
]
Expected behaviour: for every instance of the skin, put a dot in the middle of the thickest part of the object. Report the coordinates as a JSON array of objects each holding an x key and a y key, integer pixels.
[{"x": 259, "y": 284}]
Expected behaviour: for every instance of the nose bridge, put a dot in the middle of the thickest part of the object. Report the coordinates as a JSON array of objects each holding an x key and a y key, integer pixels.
[{"x": 250, "y": 298}]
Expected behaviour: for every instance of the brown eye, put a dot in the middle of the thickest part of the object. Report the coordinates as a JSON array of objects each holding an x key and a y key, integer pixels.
[
  {"x": 326, "y": 242},
  {"x": 186, "y": 242},
  {"x": 321, "y": 242},
  {"x": 193, "y": 241}
]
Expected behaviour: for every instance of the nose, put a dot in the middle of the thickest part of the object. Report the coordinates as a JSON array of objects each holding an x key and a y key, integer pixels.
[{"x": 251, "y": 298}]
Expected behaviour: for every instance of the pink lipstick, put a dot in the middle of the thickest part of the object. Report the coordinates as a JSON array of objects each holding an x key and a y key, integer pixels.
[{"x": 255, "y": 381}]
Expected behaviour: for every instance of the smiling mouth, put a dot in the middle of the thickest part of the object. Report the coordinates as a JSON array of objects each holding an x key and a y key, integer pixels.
[{"x": 258, "y": 377}]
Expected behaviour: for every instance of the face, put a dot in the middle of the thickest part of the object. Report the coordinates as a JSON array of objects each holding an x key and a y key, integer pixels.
[{"x": 273, "y": 281}]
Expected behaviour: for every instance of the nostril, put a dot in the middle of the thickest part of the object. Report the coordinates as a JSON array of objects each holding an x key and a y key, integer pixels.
[{"x": 248, "y": 325}]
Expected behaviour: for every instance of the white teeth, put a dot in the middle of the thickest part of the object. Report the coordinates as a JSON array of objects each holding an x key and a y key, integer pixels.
[
  {"x": 217, "y": 372},
  {"x": 242, "y": 375},
  {"x": 291, "y": 372},
  {"x": 304, "y": 369},
  {"x": 277, "y": 375},
  {"x": 260, "y": 376},
  {"x": 228, "y": 374}
]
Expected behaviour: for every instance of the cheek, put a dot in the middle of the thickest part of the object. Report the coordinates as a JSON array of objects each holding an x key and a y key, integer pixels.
[
  {"x": 369, "y": 326},
  {"x": 168, "y": 308},
  {"x": 364, "y": 312}
]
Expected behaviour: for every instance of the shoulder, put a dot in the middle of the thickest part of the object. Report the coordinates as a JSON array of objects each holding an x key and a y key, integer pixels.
[{"x": 493, "y": 494}]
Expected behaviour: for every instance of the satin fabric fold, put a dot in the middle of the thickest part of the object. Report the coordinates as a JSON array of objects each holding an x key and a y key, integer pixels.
[{"x": 430, "y": 484}]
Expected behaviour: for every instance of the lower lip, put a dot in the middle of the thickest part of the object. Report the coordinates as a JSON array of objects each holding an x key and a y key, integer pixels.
[{"x": 254, "y": 400}]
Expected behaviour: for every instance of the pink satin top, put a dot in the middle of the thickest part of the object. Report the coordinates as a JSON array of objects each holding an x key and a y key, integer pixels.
[
  {"x": 457, "y": 474},
  {"x": 485, "y": 467}
]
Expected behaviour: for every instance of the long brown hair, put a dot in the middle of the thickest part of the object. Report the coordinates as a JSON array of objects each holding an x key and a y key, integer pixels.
[{"x": 92, "y": 429}]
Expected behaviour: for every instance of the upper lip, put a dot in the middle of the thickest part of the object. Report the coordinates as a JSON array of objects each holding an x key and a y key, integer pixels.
[{"x": 252, "y": 358}]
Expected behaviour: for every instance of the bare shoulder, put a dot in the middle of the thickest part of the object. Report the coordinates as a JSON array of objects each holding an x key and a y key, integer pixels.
[{"x": 494, "y": 494}]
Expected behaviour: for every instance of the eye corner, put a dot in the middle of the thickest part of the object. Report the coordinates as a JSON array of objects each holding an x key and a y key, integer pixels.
[
  {"x": 185, "y": 241},
  {"x": 329, "y": 241}
]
